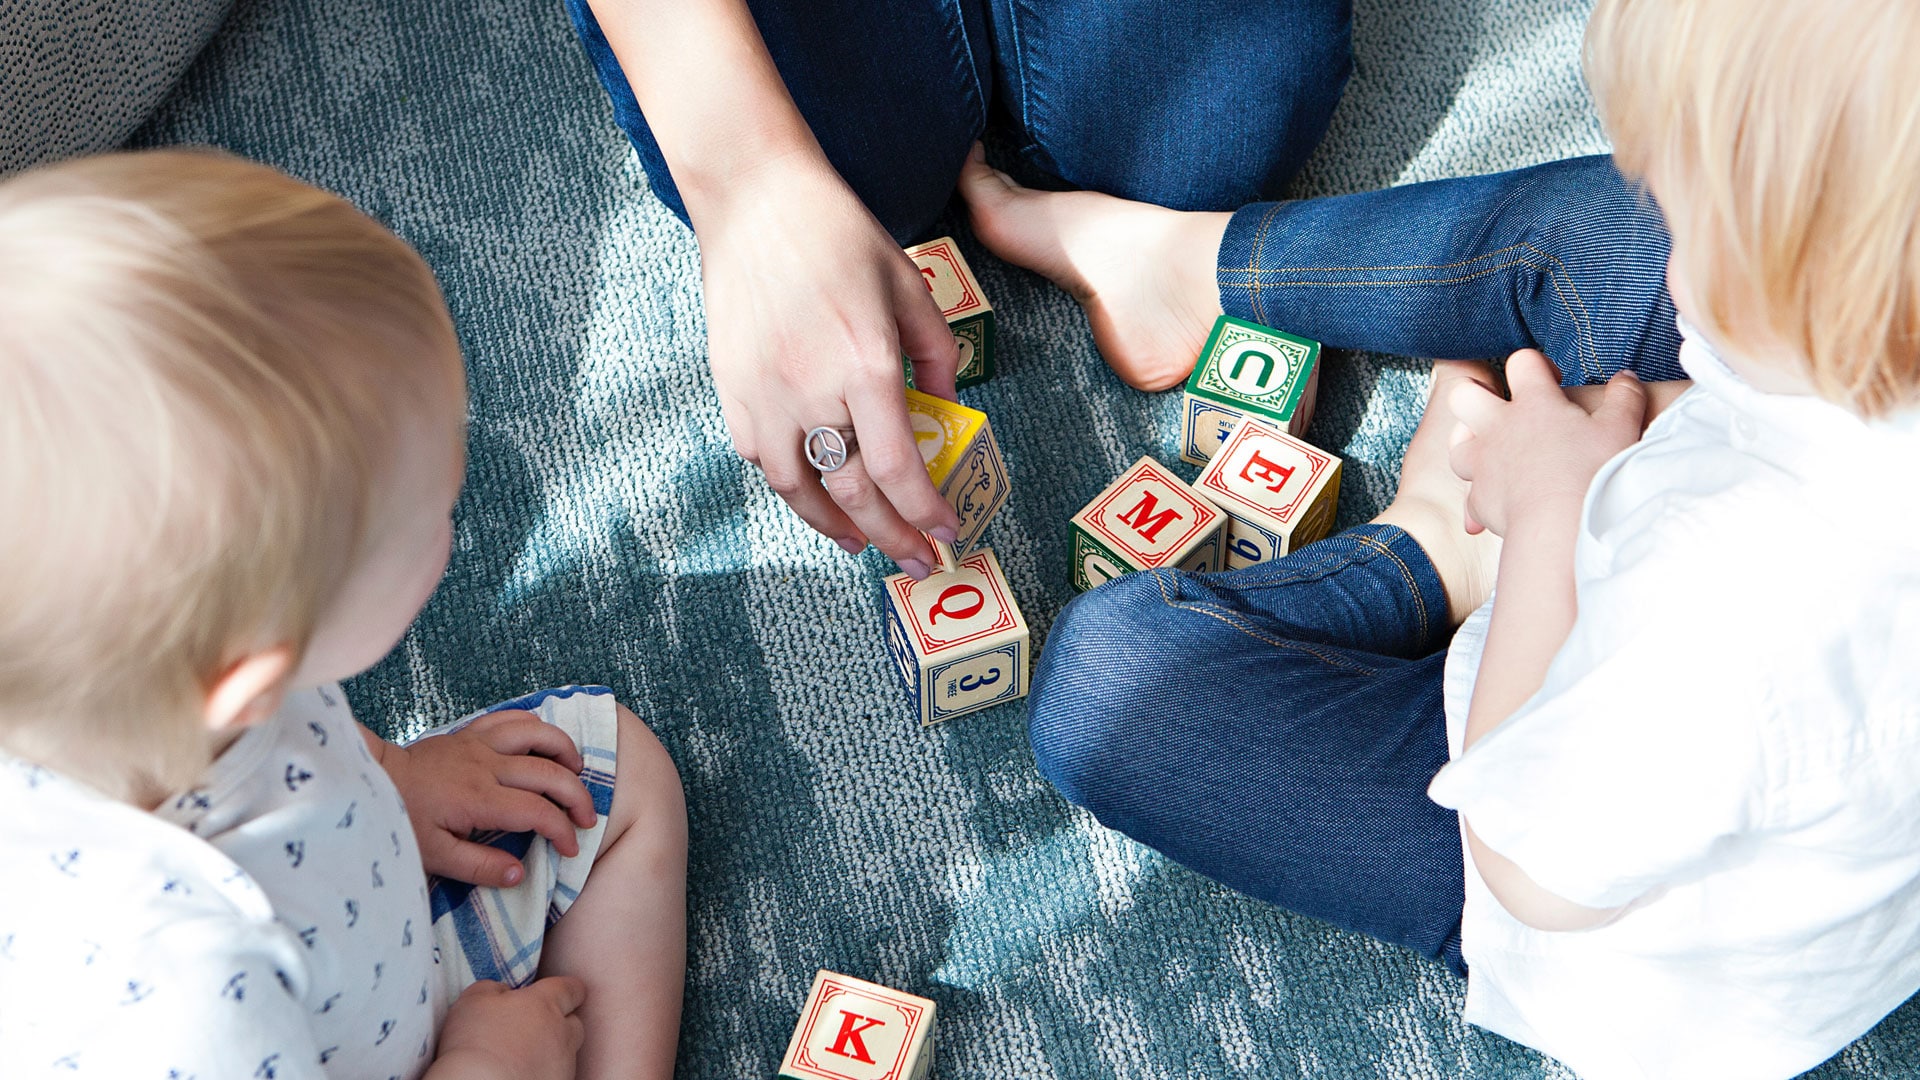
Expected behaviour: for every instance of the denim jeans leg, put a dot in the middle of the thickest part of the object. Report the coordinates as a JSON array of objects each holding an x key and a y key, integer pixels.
[
  {"x": 1197, "y": 105},
  {"x": 895, "y": 93},
  {"x": 1273, "y": 728},
  {"x": 1566, "y": 257}
]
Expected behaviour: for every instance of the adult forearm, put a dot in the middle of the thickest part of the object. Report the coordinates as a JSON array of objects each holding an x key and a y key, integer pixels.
[{"x": 712, "y": 96}]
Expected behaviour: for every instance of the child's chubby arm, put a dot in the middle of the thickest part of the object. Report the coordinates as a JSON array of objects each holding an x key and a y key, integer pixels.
[
  {"x": 493, "y": 1033},
  {"x": 506, "y": 770},
  {"x": 1530, "y": 461}
]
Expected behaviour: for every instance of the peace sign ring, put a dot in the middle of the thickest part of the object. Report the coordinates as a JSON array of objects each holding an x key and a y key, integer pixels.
[{"x": 828, "y": 447}]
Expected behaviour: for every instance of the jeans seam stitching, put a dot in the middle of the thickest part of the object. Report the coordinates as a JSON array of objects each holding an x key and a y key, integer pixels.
[
  {"x": 1230, "y": 618},
  {"x": 1413, "y": 587},
  {"x": 1259, "y": 245},
  {"x": 966, "y": 47}
]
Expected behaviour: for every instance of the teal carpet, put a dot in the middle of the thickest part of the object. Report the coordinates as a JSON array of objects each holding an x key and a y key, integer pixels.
[{"x": 608, "y": 534}]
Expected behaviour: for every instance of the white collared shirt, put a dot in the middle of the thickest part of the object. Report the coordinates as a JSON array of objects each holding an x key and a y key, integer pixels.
[{"x": 1729, "y": 741}]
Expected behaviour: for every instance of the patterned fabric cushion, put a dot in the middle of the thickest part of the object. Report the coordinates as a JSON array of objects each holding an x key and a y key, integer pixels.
[{"x": 80, "y": 75}]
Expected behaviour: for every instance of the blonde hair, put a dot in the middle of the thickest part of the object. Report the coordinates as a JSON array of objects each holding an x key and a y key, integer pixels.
[
  {"x": 1783, "y": 138},
  {"x": 204, "y": 362}
]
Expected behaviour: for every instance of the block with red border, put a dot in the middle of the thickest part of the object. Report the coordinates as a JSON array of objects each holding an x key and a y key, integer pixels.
[
  {"x": 1246, "y": 369},
  {"x": 957, "y": 638},
  {"x": 851, "y": 1029},
  {"x": 958, "y": 293},
  {"x": 1146, "y": 519},
  {"x": 963, "y": 459},
  {"x": 1279, "y": 493}
]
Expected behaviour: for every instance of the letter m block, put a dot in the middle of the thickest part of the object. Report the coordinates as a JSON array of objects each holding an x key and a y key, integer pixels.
[
  {"x": 851, "y": 1029},
  {"x": 1147, "y": 518}
]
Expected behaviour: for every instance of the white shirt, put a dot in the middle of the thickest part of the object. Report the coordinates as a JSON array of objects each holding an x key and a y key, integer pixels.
[
  {"x": 1729, "y": 740},
  {"x": 271, "y": 923}
]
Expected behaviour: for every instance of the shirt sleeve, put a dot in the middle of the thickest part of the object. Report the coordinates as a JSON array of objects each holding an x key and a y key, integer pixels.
[
  {"x": 1639, "y": 762},
  {"x": 197, "y": 997}
]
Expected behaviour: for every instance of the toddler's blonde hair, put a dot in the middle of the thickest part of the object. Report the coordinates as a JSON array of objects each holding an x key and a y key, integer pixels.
[
  {"x": 1783, "y": 139},
  {"x": 203, "y": 366}
]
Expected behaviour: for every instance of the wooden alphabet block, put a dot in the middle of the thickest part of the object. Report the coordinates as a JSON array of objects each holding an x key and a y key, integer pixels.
[
  {"x": 963, "y": 458},
  {"x": 851, "y": 1029},
  {"x": 1246, "y": 369},
  {"x": 1147, "y": 518},
  {"x": 1279, "y": 493},
  {"x": 957, "y": 638},
  {"x": 969, "y": 316}
]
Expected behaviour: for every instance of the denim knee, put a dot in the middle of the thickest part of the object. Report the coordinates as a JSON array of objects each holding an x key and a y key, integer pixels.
[{"x": 1099, "y": 684}]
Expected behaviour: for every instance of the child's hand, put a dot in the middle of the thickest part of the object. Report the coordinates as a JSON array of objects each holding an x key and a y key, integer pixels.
[
  {"x": 1538, "y": 452},
  {"x": 506, "y": 770},
  {"x": 493, "y": 1033}
]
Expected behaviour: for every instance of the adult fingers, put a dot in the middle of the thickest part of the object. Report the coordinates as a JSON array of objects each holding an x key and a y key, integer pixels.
[
  {"x": 554, "y": 782},
  {"x": 890, "y": 453},
  {"x": 925, "y": 337},
  {"x": 792, "y": 477},
  {"x": 516, "y": 732},
  {"x": 854, "y": 489},
  {"x": 1530, "y": 372},
  {"x": 464, "y": 860}
]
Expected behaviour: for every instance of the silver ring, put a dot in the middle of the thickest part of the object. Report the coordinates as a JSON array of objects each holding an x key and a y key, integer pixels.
[{"x": 829, "y": 447}]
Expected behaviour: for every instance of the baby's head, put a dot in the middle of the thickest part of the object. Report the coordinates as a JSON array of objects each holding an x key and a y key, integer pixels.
[
  {"x": 231, "y": 433},
  {"x": 1782, "y": 139}
]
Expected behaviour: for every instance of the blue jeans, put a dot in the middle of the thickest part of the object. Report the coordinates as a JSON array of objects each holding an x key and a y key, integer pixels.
[
  {"x": 1208, "y": 105},
  {"x": 1274, "y": 728}
]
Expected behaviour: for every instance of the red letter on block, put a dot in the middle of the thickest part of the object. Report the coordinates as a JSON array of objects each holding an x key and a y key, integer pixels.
[
  {"x": 1268, "y": 470},
  {"x": 1143, "y": 519},
  {"x": 849, "y": 1033}
]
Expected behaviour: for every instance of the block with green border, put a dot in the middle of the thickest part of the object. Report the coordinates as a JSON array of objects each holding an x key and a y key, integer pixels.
[
  {"x": 1246, "y": 370},
  {"x": 969, "y": 316}
]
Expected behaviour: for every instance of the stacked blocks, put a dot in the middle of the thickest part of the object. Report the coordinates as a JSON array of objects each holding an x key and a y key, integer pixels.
[
  {"x": 969, "y": 316},
  {"x": 957, "y": 638},
  {"x": 1246, "y": 369},
  {"x": 1147, "y": 518},
  {"x": 1278, "y": 492},
  {"x": 963, "y": 458},
  {"x": 851, "y": 1029}
]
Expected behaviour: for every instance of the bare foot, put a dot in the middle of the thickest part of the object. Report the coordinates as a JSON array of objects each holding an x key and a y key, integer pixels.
[
  {"x": 1144, "y": 274},
  {"x": 1431, "y": 504}
]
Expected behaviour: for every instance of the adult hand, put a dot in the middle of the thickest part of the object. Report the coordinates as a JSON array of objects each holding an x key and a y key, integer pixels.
[
  {"x": 809, "y": 306},
  {"x": 506, "y": 770},
  {"x": 493, "y": 1033},
  {"x": 1537, "y": 452}
]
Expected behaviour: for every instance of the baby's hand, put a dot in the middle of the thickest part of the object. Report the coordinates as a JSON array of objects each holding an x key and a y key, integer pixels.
[
  {"x": 1538, "y": 452},
  {"x": 505, "y": 770},
  {"x": 493, "y": 1033}
]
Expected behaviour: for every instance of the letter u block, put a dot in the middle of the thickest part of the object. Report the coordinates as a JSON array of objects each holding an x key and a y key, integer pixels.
[
  {"x": 851, "y": 1029},
  {"x": 1279, "y": 493},
  {"x": 957, "y": 638},
  {"x": 963, "y": 458},
  {"x": 1246, "y": 369},
  {"x": 1147, "y": 518},
  {"x": 969, "y": 316}
]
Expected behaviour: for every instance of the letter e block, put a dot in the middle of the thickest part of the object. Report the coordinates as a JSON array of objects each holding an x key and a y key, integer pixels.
[
  {"x": 957, "y": 638},
  {"x": 1147, "y": 518},
  {"x": 1279, "y": 493},
  {"x": 1246, "y": 369},
  {"x": 969, "y": 316},
  {"x": 963, "y": 458},
  {"x": 851, "y": 1029}
]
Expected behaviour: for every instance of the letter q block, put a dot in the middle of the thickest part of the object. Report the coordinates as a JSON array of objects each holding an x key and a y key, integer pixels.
[
  {"x": 1147, "y": 518},
  {"x": 1246, "y": 369},
  {"x": 851, "y": 1029},
  {"x": 969, "y": 316},
  {"x": 1279, "y": 493},
  {"x": 963, "y": 459},
  {"x": 957, "y": 638}
]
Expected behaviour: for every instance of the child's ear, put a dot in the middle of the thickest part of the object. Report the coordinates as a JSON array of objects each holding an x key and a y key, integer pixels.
[{"x": 250, "y": 690}]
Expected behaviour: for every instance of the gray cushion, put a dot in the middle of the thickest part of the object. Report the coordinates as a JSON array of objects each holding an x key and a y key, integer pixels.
[{"x": 79, "y": 75}]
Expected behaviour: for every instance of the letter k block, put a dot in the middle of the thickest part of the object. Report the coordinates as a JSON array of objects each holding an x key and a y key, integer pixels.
[
  {"x": 851, "y": 1029},
  {"x": 1148, "y": 518}
]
